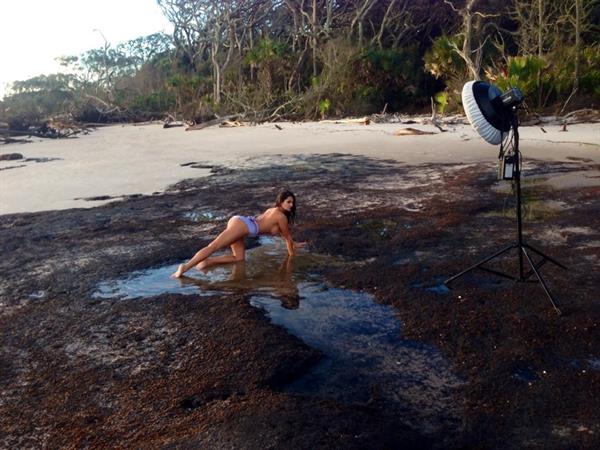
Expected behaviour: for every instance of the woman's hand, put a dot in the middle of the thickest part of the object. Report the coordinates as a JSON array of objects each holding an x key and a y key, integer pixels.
[{"x": 292, "y": 246}]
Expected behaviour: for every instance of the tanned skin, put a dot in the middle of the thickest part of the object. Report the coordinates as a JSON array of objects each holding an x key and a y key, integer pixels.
[{"x": 273, "y": 221}]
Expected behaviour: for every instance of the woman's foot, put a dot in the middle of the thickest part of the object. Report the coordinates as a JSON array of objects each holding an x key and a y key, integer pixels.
[{"x": 178, "y": 272}]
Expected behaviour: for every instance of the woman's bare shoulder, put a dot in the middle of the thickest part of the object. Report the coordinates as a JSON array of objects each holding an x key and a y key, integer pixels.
[{"x": 273, "y": 212}]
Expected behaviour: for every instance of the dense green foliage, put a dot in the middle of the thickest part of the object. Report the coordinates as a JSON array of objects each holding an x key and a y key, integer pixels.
[{"x": 316, "y": 58}]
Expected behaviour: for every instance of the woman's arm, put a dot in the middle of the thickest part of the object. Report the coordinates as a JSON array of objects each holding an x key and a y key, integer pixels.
[{"x": 284, "y": 229}]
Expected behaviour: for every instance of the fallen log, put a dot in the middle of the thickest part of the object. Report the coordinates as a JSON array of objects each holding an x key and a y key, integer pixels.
[
  {"x": 361, "y": 121},
  {"x": 583, "y": 115},
  {"x": 586, "y": 115},
  {"x": 48, "y": 133},
  {"x": 232, "y": 124},
  {"x": 211, "y": 123},
  {"x": 412, "y": 132},
  {"x": 98, "y": 124},
  {"x": 173, "y": 124},
  {"x": 9, "y": 140},
  {"x": 147, "y": 122}
]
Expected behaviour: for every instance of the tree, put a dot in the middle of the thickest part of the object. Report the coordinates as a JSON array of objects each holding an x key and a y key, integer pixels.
[{"x": 473, "y": 33}]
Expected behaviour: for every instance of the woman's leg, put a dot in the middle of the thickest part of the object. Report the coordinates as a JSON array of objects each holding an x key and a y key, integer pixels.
[
  {"x": 238, "y": 251},
  {"x": 236, "y": 230}
]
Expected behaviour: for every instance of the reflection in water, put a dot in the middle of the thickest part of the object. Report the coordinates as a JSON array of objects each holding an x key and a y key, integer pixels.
[
  {"x": 268, "y": 271},
  {"x": 275, "y": 280},
  {"x": 366, "y": 357}
]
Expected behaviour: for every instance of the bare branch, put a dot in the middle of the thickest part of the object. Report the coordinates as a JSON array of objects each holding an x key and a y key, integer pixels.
[{"x": 448, "y": 2}]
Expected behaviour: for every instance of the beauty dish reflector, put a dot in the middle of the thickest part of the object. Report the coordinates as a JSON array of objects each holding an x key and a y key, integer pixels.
[
  {"x": 486, "y": 111},
  {"x": 494, "y": 115}
]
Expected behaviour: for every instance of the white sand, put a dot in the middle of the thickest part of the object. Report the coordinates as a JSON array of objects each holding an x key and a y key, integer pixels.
[{"x": 121, "y": 160}]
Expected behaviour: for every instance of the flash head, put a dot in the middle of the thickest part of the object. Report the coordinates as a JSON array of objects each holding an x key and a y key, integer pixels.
[{"x": 512, "y": 97}]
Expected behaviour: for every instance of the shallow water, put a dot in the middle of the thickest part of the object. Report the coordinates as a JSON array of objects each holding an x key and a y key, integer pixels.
[
  {"x": 202, "y": 216},
  {"x": 267, "y": 269},
  {"x": 366, "y": 358}
]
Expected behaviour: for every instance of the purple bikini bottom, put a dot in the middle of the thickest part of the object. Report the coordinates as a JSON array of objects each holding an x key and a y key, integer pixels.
[{"x": 251, "y": 223}]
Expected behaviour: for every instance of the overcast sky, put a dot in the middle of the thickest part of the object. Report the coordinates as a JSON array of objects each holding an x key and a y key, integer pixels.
[{"x": 34, "y": 32}]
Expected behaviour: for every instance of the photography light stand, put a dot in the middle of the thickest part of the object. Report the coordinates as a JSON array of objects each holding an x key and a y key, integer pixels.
[{"x": 522, "y": 247}]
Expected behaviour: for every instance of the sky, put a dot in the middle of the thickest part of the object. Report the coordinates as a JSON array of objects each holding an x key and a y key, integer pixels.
[{"x": 35, "y": 32}]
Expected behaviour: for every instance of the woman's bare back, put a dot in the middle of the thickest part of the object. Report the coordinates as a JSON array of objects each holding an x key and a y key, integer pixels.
[{"x": 268, "y": 222}]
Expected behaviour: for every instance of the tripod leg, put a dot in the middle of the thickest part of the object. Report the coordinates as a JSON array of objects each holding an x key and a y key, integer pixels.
[
  {"x": 543, "y": 283},
  {"x": 531, "y": 272},
  {"x": 475, "y": 266},
  {"x": 545, "y": 256}
]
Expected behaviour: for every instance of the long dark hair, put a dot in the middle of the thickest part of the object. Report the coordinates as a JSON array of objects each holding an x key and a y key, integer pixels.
[{"x": 291, "y": 215}]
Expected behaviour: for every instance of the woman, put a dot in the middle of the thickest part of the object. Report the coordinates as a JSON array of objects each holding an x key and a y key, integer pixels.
[{"x": 273, "y": 221}]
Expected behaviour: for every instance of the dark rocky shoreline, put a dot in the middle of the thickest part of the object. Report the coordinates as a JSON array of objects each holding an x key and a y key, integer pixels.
[{"x": 191, "y": 372}]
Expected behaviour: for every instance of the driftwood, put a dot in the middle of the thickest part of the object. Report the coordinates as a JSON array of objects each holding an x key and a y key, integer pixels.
[
  {"x": 110, "y": 113},
  {"x": 100, "y": 124},
  {"x": 456, "y": 119},
  {"x": 412, "y": 132},
  {"x": 56, "y": 127},
  {"x": 272, "y": 113},
  {"x": 169, "y": 121},
  {"x": 232, "y": 124},
  {"x": 147, "y": 122},
  {"x": 9, "y": 140},
  {"x": 583, "y": 115},
  {"x": 361, "y": 121},
  {"x": 586, "y": 115},
  {"x": 173, "y": 124},
  {"x": 41, "y": 133},
  {"x": 211, "y": 123}
]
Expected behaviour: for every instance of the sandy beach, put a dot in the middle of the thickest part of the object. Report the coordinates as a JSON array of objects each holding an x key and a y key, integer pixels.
[
  {"x": 354, "y": 343},
  {"x": 124, "y": 160}
]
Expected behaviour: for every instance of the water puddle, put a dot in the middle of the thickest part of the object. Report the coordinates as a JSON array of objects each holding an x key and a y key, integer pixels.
[
  {"x": 439, "y": 289},
  {"x": 148, "y": 283},
  {"x": 267, "y": 270},
  {"x": 202, "y": 216},
  {"x": 366, "y": 358},
  {"x": 437, "y": 286}
]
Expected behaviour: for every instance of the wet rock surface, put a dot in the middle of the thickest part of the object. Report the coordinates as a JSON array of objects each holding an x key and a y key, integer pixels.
[{"x": 210, "y": 371}]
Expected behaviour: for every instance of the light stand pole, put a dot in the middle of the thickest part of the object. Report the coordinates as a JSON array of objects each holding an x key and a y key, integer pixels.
[{"x": 520, "y": 245}]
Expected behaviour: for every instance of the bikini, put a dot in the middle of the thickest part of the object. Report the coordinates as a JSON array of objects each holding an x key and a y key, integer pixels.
[{"x": 251, "y": 223}]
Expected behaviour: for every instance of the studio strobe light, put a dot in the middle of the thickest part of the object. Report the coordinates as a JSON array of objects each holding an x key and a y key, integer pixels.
[{"x": 493, "y": 114}]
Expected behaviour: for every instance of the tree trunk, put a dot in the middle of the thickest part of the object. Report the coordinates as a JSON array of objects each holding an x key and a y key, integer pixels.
[
  {"x": 216, "y": 72},
  {"x": 467, "y": 50},
  {"x": 314, "y": 37},
  {"x": 540, "y": 48},
  {"x": 359, "y": 18},
  {"x": 577, "y": 44},
  {"x": 472, "y": 58},
  {"x": 383, "y": 25}
]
